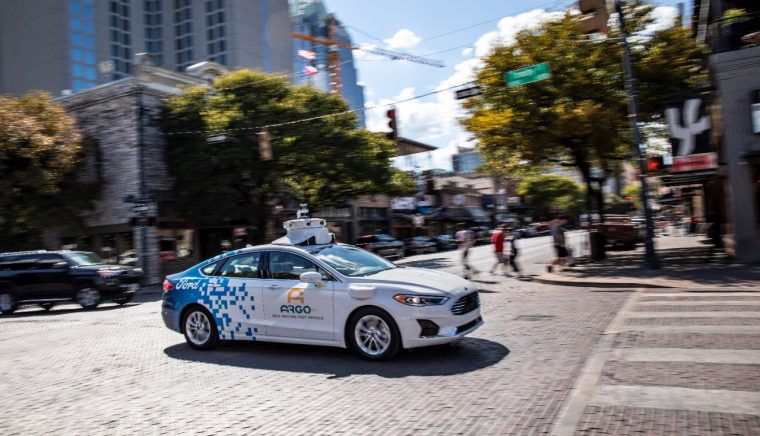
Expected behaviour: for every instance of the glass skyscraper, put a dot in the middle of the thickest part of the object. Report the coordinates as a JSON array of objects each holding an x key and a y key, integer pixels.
[{"x": 78, "y": 44}]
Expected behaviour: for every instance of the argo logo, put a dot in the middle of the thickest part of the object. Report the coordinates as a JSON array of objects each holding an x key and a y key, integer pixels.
[{"x": 295, "y": 295}]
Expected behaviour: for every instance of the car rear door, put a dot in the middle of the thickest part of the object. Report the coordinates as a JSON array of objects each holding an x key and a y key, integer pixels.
[
  {"x": 53, "y": 276},
  {"x": 235, "y": 300}
]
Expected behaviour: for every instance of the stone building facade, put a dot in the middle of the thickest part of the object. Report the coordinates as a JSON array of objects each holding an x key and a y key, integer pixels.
[{"x": 125, "y": 157}]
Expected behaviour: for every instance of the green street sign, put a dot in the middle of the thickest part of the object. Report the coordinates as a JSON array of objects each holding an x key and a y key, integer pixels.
[{"x": 533, "y": 73}]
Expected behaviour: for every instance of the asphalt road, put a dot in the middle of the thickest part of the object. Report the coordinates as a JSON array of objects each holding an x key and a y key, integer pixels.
[{"x": 533, "y": 255}]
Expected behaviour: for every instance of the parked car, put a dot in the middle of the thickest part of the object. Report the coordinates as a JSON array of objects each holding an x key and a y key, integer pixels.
[
  {"x": 384, "y": 245},
  {"x": 525, "y": 232},
  {"x": 306, "y": 289},
  {"x": 445, "y": 242},
  {"x": 482, "y": 235},
  {"x": 420, "y": 245},
  {"x": 619, "y": 230},
  {"x": 46, "y": 278}
]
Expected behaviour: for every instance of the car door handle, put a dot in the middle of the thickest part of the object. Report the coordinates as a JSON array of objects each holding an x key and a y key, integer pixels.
[{"x": 274, "y": 286}]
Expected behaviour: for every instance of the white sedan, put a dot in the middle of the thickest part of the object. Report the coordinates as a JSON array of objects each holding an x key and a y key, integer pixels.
[{"x": 307, "y": 289}]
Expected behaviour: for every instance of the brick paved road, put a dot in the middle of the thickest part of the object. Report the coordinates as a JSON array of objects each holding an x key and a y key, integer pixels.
[{"x": 119, "y": 371}]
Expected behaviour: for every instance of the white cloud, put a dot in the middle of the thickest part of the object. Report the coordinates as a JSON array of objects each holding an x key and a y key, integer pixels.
[
  {"x": 664, "y": 17},
  {"x": 404, "y": 38},
  {"x": 436, "y": 119},
  {"x": 509, "y": 27}
]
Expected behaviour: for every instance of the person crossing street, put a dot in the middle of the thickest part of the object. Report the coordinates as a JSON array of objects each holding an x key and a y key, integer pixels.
[{"x": 466, "y": 239}]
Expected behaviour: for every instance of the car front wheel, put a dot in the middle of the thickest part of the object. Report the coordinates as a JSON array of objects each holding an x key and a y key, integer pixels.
[
  {"x": 200, "y": 329},
  {"x": 373, "y": 334},
  {"x": 88, "y": 298},
  {"x": 7, "y": 303}
]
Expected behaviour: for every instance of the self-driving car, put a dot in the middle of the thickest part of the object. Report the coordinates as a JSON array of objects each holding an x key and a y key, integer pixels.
[{"x": 305, "y": 288}]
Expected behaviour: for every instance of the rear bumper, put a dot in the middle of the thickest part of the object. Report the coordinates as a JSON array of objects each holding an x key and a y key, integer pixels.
[{"x": 170, "y": 316}]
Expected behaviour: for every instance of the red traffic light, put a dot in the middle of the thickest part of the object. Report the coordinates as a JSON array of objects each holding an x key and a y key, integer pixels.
[
  {"x": 654, "y": 163},
  {"x": 391, "y": 114}
]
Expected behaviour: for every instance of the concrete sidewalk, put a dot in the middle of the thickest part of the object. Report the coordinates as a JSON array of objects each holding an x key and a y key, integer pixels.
[{"x": 686, "y": 262}]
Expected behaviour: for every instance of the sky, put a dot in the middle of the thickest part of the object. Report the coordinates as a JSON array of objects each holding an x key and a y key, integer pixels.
[{"x": 458, "y": 33}]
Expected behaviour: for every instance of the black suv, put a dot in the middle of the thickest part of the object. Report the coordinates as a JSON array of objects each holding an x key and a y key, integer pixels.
[
  {"x": 383, "y": 245},
  {"x": 49, "y": 277}
]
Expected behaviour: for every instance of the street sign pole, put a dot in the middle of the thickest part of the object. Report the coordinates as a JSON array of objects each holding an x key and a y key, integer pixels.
[{"x": 650, "y": 257}]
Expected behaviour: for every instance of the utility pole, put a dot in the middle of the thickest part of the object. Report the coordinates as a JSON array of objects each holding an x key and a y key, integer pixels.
[{"x": 650, "y": 257}]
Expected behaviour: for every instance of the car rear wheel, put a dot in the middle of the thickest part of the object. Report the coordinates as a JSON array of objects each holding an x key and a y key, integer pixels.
[
  {"x": 7, "y": 303},
  {"x": 373, "y": 334},
  {"x": 88, "y": 298},
  {"x": 200, "y": 329}
]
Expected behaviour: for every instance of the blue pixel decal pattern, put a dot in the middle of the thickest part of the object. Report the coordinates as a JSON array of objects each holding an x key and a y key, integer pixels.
[{"x": 231, "y": 303}]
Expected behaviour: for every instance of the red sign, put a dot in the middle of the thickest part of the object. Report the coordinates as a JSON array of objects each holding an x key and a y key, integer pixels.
[{"x": 694, "y": 162}]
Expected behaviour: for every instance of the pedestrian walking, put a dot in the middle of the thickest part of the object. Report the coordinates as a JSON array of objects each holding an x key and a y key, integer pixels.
[
  {"x": 466, "y": 239},
  {"x": 511, "y": 242},
  {"x": 497, "y": 240},
  {"x": 559, "y": 240}
]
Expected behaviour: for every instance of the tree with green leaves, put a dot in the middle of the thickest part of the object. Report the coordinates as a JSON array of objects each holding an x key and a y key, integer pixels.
[
  {"x": 40, "y": 150},
  {"x": 321, "y": 161},
  {"x": 549, "y": 194},
  {"x": 578, "y": 117}
]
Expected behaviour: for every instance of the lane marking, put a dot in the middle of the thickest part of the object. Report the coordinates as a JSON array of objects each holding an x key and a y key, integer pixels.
[
  {"x": 706, "y": 329},
  {"x": 704, "y": 294},
  {"x": 755, "y": 314},
  {"x": 699, "y": 303},
  {"x": 734, "y": 357},
  {"x": 674, "y": 398}
]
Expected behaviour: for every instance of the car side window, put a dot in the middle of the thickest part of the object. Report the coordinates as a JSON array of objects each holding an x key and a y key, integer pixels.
[
  {"x": 209, "y": 269},
  {"x": 289, "y": 266},
  {"x": 243, "y": 266}
]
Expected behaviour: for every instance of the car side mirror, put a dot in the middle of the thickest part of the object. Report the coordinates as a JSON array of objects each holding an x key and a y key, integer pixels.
[{"x": 311, "y": 277}]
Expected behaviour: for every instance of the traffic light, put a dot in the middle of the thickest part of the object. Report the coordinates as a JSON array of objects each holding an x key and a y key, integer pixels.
[
  {"x": 265, "y": 148},
  {"x": 654, "y": 164},
  {"x": 393, "y": 134},
  {"x": 594, "y": 16}
]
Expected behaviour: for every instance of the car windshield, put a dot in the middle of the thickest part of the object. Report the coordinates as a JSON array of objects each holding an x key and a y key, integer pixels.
[
  {"x": 352, "y": 261},
  {"x": 83, "y": 258}
]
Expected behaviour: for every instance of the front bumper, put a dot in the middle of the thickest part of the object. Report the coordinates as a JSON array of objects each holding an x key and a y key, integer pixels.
[{"x": 450, "y": 328}]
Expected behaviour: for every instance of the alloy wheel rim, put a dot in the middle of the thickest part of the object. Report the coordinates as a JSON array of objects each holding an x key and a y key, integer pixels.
[
  {"x": 198, "y": 328},
  {"x": 372, "y": 335},
  {"x": 88, "y": 297},
  {"x": 6, "y": 302}
]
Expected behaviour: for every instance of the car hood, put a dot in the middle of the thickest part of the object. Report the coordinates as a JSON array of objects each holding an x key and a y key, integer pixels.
[{"x": 419, "y": 280}]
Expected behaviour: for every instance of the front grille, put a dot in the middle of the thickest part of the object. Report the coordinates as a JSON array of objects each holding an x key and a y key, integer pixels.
[
  {"x": 469, "y": 325},
  {"x": 466, "y": 304}
]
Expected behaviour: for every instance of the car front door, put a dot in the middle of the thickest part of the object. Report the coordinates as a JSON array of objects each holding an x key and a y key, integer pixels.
[
  {"x": 294, "y": 309},
  {"x": 234, "y": 291}
]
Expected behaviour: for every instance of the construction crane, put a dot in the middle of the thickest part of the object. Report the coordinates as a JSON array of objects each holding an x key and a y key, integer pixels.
[{"x": 333, "y": 55}]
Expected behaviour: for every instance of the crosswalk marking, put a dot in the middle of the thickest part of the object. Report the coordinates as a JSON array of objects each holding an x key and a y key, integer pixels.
[
  {"x": 696, "y": 355},
  {"x": 755, "y": 314},
  {"x": 661, "y": 397},
  {"x": 699, "y": 303}
]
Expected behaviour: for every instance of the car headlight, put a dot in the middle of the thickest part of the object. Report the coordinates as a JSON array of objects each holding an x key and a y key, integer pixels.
[{"x": 420, "y": 300}]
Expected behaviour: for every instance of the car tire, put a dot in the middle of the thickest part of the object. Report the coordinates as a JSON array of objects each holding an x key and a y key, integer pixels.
[
  {"x": 8, "y": 303},
  {"x": 46, "y": 306},
  {"x": 373, "y": 335},
  {"x": 88, "y": 298},
  {"x": 200, "y": 329}
]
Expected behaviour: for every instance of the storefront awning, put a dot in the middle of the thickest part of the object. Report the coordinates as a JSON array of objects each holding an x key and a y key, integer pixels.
[{"x": 689, "y": 178}]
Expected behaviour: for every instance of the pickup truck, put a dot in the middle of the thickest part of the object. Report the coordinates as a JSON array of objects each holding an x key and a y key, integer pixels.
[{"x": 619, "y": 230}]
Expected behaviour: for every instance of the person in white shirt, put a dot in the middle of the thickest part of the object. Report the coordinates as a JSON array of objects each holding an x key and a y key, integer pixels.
[{"x": 466, "y": 239}]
